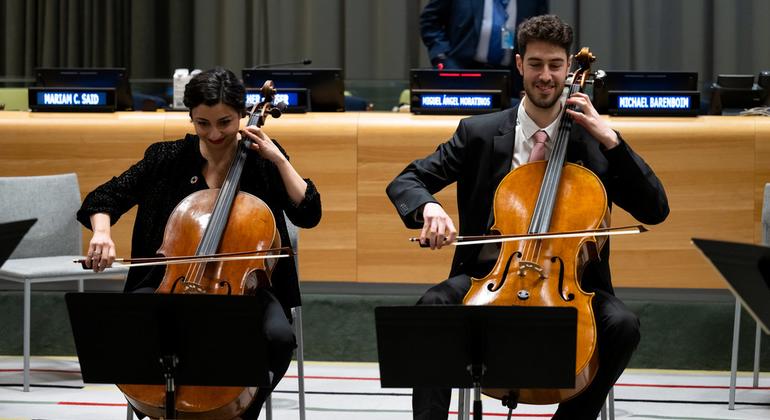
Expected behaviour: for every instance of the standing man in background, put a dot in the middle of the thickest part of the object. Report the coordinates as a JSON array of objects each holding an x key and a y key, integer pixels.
[{"x": 477, "y": 34}]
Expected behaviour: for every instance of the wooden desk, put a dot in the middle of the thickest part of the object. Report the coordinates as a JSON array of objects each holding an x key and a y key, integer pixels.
[{"x": 713, "y": 168}]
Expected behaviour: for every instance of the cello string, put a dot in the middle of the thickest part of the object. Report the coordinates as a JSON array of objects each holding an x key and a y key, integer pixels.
[
  {"x": 547, "y": 195},
  {"x": 220, "y": 214}
]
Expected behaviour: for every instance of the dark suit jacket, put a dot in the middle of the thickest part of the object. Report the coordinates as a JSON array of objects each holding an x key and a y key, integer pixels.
[
  {"x": 479, "y": 155},
  {"x": 453, "y": 27}
]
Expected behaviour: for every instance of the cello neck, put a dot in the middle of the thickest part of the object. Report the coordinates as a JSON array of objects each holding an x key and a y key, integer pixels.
[
  {"x": 219, "y": 215},
  {"x": 541, "y": 216}
]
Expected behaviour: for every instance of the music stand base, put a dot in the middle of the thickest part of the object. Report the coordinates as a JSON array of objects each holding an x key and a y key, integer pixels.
[{"x": 169, "y": 365}]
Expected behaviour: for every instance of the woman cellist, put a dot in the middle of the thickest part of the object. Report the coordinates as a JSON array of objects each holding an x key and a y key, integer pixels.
[
  {"x": 481, "y": 153},
  {"x": 172, "y": 170}
]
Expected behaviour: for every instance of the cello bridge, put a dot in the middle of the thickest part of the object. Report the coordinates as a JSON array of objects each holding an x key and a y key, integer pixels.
[
  {"x": 525, "y": 266},
  {"x": 193, "y": 288}
]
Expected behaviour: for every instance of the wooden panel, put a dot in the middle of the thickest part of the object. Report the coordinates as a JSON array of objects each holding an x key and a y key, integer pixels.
[
  {"x": 323, "y": 147},
  {"x": 705, "y": 165},
  {"x": 94, "y": 146},
  {"x": 99, "y": 146},
  {"x": 713, "y": 168},
  {"x": 386, "y": 144}
]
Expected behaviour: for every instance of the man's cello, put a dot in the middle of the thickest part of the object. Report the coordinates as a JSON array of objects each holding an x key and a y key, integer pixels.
[{"x": 543, "y": 198}]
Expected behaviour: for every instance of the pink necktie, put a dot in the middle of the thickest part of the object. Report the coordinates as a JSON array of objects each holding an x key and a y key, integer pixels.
[{"x": 538, "y": 150}]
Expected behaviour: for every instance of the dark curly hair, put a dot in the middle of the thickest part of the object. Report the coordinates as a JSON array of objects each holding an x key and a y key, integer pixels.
[
  {"x": 548, "y": 28},
  {"x": 214, "y": 86}
]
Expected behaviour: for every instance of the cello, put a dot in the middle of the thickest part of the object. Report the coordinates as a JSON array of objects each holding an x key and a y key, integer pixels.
[
  {"x": 542, "y": 267},
  {"x": 205, "y": 241}
]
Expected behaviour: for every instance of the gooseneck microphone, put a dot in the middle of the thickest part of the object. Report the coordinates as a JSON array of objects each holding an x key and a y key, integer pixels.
[{"x": 304, "y": 62}]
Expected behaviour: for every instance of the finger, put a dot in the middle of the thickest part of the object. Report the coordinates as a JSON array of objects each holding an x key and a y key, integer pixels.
[
  {"x": 452, "y": 231},
  {"x": 249, "y": 135},
  {"x": 111, "y": 257},
  {"x": 253, "y": 145},
  {"x": 578, "y": 103},
  {"x": 574, "y": 114},
  {"x": 257, "y": 132},
  {"x": 101, "y": 265},
  {"x": 440, "y": 233},
  {"x": 96, "y": 257},
  {"x": 424, "y": 232},
  {"x": 579, "y": 95},
  {"x": 433, "y": 232}
]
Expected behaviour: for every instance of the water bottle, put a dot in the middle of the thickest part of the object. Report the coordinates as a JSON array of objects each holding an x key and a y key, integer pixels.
[{"x": 181, "y": 77}]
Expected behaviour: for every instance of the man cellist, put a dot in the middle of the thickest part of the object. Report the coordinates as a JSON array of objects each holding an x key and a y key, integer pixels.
[{"x": 482, "y": 151}]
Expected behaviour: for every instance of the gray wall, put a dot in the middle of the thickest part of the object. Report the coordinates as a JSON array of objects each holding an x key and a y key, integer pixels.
[{"x": 370, "y": 39}]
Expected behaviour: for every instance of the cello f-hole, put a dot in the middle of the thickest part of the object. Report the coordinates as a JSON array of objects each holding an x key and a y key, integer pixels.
[
  {"x": 173, "y": 287},
  {"x": 492, "y": 287},
  {"x": 570, "y": 296},
  {"x": 224, "y": 283}
]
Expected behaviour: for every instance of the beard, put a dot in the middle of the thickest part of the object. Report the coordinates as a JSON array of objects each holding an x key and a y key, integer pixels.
[{"x": 540, "y": 101}]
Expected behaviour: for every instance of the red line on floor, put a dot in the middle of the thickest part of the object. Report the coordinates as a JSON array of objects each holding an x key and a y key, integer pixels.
[
  {"x": 361, "y": 378},
  {"x": 91, "y": 404},
  {"x": 506, "y": 414}
]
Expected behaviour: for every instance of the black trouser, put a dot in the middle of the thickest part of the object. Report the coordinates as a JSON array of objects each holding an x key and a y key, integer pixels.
[
  {"x": 280, "y": 346},
  {"x": 618, "y": 336}
]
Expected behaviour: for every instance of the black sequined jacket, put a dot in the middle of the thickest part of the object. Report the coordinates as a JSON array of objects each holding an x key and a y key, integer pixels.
[{"x": 172, "y": 170}]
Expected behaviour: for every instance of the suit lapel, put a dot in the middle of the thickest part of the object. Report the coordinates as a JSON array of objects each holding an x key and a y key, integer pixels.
[{"x": 502, "y": 150}]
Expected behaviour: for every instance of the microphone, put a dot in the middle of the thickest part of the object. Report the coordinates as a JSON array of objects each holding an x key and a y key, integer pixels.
[{"x": 304, "y": 62}]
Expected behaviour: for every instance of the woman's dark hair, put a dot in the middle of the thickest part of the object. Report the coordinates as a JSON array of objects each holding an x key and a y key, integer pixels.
[
  {"x": 214, "y": 86},
  {"x": 548, "y": 28}
]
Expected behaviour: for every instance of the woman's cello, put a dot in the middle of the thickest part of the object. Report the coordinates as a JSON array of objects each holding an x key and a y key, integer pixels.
[
  {"x": 217, "y": 226},
  {"x": 542, "y": 198}
]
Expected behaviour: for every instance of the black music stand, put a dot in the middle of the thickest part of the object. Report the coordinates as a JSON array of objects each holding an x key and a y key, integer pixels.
[
  {"x": 171, "y": 339},
  {"x": 456, "y": 346},
  {"x": 746, "y": 268},
  {"x": 11, "y": 234}
]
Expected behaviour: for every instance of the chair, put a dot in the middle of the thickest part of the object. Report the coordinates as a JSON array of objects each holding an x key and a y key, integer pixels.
[
  {"x": 297, "y": 315},
  {"x": 737, "y": 319},
  {"x": 45, "y": 254},
  {"x": 609, "y": 406}
]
